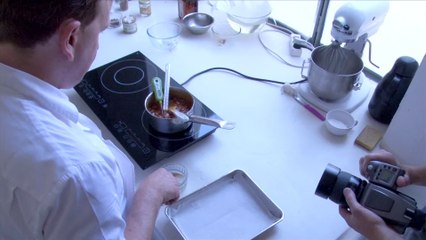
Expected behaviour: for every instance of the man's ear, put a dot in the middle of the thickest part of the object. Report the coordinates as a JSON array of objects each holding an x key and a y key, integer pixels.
[{"x": 68, "y": 37}]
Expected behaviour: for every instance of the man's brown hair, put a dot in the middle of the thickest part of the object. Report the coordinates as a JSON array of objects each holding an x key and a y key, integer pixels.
[{"x": 27, "y": 22}]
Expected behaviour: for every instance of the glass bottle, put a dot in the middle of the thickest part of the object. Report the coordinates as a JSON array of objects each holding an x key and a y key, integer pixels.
[
  {"x": 187, "y": 6},
  {"x": 124, "y": 5}
]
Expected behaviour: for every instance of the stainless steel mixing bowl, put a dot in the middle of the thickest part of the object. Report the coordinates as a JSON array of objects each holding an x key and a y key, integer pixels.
[
  {"x": 197, "y": 22},
  {"x": 334, "y": 72}
]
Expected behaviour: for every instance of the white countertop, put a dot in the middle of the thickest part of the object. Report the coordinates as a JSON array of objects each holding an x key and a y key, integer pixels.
[{"x": 277, "y": 142}]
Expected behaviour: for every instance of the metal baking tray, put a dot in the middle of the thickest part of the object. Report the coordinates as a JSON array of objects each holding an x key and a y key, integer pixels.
[{"x": 232, "y": 207}]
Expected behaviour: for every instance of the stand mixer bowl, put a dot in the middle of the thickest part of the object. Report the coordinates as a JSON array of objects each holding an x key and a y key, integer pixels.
[{"x": 334, "y": 72}]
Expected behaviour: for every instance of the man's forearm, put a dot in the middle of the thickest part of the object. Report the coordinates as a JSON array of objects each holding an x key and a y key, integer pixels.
[{"x": 142, "y": 216}]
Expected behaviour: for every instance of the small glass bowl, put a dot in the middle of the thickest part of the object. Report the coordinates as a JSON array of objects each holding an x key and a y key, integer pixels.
[
  {"x": 223, "y": 32},
  {"x": 165, "y": 35},
  {"x": 179, "y": 172}
]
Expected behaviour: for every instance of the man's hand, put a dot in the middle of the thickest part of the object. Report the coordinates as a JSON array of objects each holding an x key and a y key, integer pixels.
[
  {"x": 365, "y": 221},
  {"x": 387, "y": 157}
]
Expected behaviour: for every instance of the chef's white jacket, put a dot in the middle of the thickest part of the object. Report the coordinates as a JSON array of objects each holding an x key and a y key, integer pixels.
[{"x": 59, "y": 179}]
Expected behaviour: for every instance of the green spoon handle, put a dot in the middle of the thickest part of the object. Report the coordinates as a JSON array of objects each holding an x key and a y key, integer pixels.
[{"x": 157, "y": 88}]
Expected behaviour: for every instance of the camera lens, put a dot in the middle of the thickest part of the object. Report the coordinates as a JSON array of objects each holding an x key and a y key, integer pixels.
[
  {"x": 333, "y": 181},
  {"x": 327, "y": 181}
]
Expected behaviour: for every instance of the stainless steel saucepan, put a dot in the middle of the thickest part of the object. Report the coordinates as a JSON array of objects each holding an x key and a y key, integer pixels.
[{"x": 181, "y": 103}]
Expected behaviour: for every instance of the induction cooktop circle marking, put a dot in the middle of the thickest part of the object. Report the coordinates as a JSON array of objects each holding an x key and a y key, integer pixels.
[
  {"x": 131, "y": 68},
  {"x": 110, "y": 80}
]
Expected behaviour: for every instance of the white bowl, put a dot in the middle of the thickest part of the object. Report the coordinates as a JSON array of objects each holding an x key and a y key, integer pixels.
[
  {"x": 339, "y": 122},
  {"x": 224, "y": 32},
  {"x": 165, "y": 35}
]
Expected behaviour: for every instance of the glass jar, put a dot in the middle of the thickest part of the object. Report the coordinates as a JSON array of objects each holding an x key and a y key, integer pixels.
[
  {"x": 187, "y": 6},
  {"x": 124, "y": 5},
  {"x": 129, "y": 24},
  {"x": 145, "y": 8}
]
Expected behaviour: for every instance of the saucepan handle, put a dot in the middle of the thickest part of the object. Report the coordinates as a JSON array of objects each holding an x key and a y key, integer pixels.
[{"x": 212, "y": 122}]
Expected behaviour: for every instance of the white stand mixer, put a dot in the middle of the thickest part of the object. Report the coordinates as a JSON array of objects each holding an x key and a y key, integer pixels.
[{"x": 353, "y": 24}]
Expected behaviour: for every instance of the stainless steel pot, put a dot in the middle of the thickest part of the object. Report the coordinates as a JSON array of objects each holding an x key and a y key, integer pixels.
[
  {"x": 172, "y": 123},
  {"x": 333, "y": 72},
  {"x": 166, "y": 125}
]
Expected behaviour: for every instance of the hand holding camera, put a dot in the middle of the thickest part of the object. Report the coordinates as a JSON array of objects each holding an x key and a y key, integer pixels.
[
  {"x": 364, "y": 221},
  {"x": 378, "y": 195},
  {"x": 386, "y": 157}
]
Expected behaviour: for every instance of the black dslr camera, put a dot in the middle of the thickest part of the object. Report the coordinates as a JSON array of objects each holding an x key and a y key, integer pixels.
[{"x": 379, "y": 195}]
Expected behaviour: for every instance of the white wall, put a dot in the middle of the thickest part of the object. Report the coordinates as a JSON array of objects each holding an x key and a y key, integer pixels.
[{"x": 406, "y": 134}]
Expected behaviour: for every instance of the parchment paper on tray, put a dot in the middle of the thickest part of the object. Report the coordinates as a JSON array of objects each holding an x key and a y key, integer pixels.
[{"x": 232, "y": 207}]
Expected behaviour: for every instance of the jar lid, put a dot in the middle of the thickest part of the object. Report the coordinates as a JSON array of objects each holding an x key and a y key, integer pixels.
[{"x": 405, "y": 66}]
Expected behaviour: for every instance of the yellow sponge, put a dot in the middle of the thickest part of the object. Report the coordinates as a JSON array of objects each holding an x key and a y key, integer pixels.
[{"x": 368, "y": 138}]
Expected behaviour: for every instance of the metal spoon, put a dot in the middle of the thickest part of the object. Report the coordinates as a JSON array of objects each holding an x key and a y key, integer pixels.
[{"x": 183, "y": 117}]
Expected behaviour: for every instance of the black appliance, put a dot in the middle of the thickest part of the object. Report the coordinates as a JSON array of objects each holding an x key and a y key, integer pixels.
[
  {"x": 116, "y": 92},
  {"x": 391, "y": 89}
]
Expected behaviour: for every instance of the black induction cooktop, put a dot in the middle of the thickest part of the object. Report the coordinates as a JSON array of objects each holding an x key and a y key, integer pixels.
[{"x": 116, "y": 92}]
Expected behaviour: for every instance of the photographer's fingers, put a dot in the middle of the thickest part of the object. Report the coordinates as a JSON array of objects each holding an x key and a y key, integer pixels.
[
  {"x": 380, "y": 155},
  {"x": 350, "y": 198},
  {"x": 344, "y": 210},
  {"x": 403, "y": 181},
  {"x": 347, "y": 211}
]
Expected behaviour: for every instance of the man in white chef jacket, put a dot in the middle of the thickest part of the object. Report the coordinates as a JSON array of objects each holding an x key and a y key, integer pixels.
[{"x": 59, "y": 179}]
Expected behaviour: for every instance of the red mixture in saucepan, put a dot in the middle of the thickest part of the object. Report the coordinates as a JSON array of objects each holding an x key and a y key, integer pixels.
[{"x": 177, "y": 103}]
